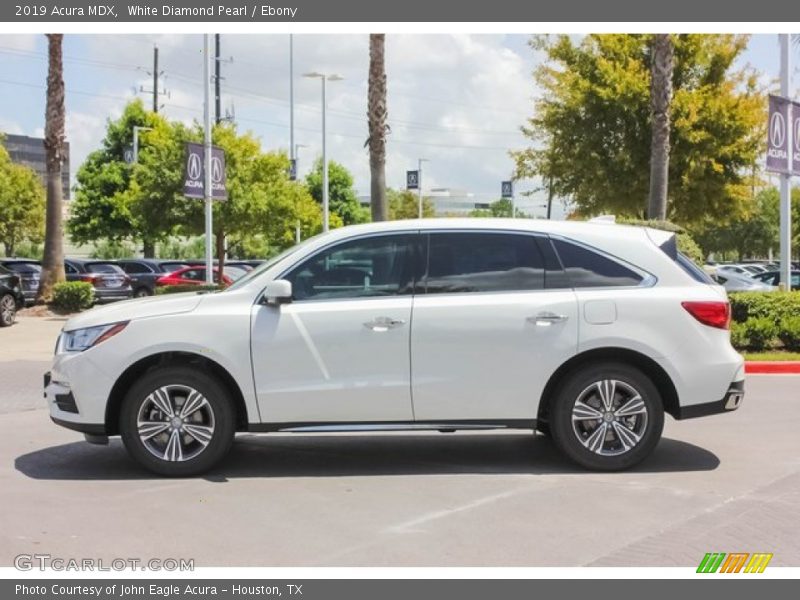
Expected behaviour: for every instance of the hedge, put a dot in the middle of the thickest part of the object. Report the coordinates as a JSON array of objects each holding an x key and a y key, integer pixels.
[
  {"x": 764, "y": 319},
  {"x": 72, "y": 296},
  {"x": 178, "y": 289}
]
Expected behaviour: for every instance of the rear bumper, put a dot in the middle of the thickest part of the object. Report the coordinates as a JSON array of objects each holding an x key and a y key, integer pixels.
[
  {"x": 732, "y": 400},
  {"x": 112, "y": 294}
]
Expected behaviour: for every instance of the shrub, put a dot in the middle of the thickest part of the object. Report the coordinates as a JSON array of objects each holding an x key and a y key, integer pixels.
[
  {"x": 760, "y": 332},
  {"x": 72, "y": 296},
  {"x": 773, "y": 305},
  {"x": 177, "y": 289},
  {"x": 789, "y": 333},
  {"x": 738, "y": 335}
]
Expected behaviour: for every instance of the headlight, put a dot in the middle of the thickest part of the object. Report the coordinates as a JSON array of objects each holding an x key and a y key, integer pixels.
[{"x": 79, "y": 340}]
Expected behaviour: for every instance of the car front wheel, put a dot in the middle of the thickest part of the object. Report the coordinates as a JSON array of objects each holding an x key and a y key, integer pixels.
[
  {"x": 177, "y": 421},
  {"x": 8, "y": 310},
  {"x": 607, "y": 417}
]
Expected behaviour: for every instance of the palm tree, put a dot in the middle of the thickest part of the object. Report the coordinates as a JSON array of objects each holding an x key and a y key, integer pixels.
[
  {"x": 378, "y": 127},
  {"x": 53, "y": 263},
  {"x": 660, "y": 99}
]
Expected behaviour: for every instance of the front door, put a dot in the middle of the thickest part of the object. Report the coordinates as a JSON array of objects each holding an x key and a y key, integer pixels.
[{"x": 339, "y": 352}]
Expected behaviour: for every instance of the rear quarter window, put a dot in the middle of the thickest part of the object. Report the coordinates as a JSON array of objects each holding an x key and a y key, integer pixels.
[{"x": 586, "y": 268}]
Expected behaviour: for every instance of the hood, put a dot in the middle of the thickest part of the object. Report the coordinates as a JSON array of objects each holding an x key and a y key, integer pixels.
[{"x": 128, "y": 310}]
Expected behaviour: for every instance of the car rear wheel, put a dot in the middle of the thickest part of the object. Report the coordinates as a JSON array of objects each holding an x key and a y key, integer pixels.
[
  {"x": 8, "y": 310},
  {"x": 141, "y": 292},
  {"x": 607, "y": 416},
  {"x": 177, "y": 421}
]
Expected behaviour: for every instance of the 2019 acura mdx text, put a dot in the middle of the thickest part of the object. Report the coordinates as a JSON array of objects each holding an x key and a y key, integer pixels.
[{"x": 588, "y": 332}]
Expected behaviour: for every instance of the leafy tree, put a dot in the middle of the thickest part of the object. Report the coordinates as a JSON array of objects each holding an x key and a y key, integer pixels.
[
  {"x": 103, "y": 207},
  {"x": 591, "y": 131},
  {"x": 22, "y": 203},
  {"x": 404, "y": 204},
  {"x": 341, "y": 193},
  {"x": 499, "y": 208}
]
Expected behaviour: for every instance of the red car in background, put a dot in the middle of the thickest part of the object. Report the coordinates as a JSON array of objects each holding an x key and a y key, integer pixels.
[{"x": 196, "y": 275}]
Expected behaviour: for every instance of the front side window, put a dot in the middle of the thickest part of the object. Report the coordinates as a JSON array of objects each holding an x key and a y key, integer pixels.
[
  {"x": 482, "y": 262},
  {"x": 586, "y": 268},
  {"x": 369, "y": 267}
]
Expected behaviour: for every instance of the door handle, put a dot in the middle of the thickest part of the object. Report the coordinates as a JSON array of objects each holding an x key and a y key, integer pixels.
[
  {"x": 384, "y": 323},
  {"x": 546, "y": 318}
]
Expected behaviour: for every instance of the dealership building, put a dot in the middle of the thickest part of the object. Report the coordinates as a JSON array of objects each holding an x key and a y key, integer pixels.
[{"x": 29, "y": 151}]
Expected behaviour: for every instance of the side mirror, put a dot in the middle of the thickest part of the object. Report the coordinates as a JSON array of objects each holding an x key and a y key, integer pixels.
[{"x": 278, "y": 291}]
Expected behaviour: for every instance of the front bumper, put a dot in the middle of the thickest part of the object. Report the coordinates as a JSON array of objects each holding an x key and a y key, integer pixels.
[{"x": 732, "y": 400}]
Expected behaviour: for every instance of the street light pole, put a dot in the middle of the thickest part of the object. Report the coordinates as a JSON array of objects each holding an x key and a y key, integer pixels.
[
  {"x": 325, "y": 192},
  {"x": 292, "y": 149},
  {"x": 296, "y": 148},
  {"x": 207, "y": 151},
  {"x": 419, "y": 184},
  {"x": 136, "y": 130},
  {"x": 786, "y": 178}
]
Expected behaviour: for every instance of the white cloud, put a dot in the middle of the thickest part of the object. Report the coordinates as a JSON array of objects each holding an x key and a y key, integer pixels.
[{"x": 457, "y": 100}]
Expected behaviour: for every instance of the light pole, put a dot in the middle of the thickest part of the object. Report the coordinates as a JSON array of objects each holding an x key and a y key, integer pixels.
[
  {"x": 786, "y": 178},
  {"x": 207, "y": 150},
  {"x": 419, "y": 183},
  {"x": 136, "y": 130},
  {"x": 296, "y": 155},
  {"x": 324, "y": 77},
  {"x": 292, "y": 148}
]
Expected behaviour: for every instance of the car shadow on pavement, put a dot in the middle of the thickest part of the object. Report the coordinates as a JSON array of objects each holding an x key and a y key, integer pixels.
[{"x": 356, "y": 456}]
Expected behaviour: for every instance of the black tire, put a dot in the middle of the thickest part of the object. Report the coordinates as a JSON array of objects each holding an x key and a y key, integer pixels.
[
  {"x": 8, "y": 310},
  {"x": 218, "y": 413},
  {"x": 142, "y": 292},
  {"x": 610, "y": 452}
]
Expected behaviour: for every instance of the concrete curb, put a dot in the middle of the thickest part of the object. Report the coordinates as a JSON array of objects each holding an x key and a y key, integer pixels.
[{"x": 772, "y": 367}]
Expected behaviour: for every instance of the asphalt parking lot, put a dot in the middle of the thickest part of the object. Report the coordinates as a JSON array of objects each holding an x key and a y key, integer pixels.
[{"x": 727, "y": 484}]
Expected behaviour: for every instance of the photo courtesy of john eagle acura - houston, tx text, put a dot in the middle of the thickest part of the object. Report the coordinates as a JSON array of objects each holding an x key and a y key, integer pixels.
[{"x": 587, "y": 332}]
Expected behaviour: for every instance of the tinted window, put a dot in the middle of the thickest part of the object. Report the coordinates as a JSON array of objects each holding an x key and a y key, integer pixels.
[
  {"x": 171, "y": 267},
  {"x": 103, "y": 268},
  {"x": 194, "y": 274},
  {"x": 136, "y": 267},
  {"x": 695, "y": 272},
  {"x": 376, "y": 266},
  {"x": 586, "y": 268},
  {"x": 483, "y": 262},
  {"x": 69, "y": 268},
  {"x": 21, "y": 267}
]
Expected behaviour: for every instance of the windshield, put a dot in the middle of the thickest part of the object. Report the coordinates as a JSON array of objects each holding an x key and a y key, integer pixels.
[
  {"x": 23, "y": 267},
  {"x": 242, "y": 281}
]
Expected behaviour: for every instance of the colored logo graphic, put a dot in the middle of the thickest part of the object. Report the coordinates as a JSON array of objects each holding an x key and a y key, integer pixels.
[{"x": 736, "y": 562}]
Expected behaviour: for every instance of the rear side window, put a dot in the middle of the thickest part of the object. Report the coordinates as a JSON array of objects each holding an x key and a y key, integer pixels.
[
  {"x": 692, "y": 270},
  {"x": 136, "y": 267},
  {"x": 483, "y": 262},
  {"x": 586, "y": 268}
]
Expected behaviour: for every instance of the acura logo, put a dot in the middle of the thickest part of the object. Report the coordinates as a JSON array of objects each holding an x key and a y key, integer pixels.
[
  {"x": 797, "y": 130},
  {"x": 194, "y": 167},
  {"x": 777, "y": 130},
  {"x": 216, "y": 169}
]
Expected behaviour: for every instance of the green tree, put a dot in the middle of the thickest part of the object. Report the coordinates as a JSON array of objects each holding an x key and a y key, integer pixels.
[
  {"x": 591, "y": 131},
  {"x": 341, "y": 193},
  {"x": 499, "y": 208},
  {"x": 22, "y": 204},
  {"x": 102, "y": 208},
  {"x": 404, "y": 204}
]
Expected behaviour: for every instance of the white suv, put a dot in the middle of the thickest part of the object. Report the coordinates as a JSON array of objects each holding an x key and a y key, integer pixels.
[{"x": 587, "y": 332}]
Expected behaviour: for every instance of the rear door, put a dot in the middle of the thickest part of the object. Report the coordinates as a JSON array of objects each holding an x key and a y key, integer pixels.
[{"x": 487, "y": 333}]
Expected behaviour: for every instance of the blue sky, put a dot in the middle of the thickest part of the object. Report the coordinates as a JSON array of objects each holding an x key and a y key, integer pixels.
[{"x": 457, "y": 100}]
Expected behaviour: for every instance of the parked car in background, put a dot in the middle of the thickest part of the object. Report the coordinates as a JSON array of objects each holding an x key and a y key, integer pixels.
[
  {"x": 738, "y": 269},
  {"x": 11, "y": 296},
  {"x": 144, "y": 272},
  {"x": 773, "y": 278},
  {"x": 196, "y": 275},
  {"x": 28, "y": 270},
  {"x": 589, "y": 332},
  {"x": 109, "y": 280},
  {"x": 739, "y": 282}
]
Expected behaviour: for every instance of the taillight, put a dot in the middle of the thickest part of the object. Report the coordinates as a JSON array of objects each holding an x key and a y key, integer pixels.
[
  {"x": 89, "y": 279},
  {"x": 713, "y": 314}
]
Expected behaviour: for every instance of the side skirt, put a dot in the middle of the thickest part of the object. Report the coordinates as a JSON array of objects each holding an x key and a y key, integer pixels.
[{"x": 443, "y": 426}]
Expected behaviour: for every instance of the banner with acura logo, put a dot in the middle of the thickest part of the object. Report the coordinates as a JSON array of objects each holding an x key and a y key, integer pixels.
[
  {"x": 783, "y": 124},
  {"x": 194, "y": 172}
]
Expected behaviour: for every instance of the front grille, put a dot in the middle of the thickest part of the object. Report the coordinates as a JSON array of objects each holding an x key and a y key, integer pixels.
[{"x": 66, "y": 403}]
